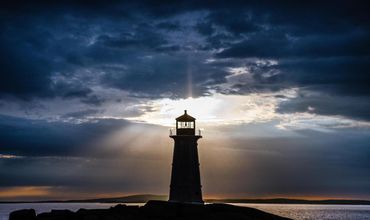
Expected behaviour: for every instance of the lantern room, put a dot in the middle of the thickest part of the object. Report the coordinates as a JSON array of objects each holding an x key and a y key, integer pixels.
[{"x": 185, "y": 124}]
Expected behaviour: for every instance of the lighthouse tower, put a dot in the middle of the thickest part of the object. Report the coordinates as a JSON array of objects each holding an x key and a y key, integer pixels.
[{"x": 185, "y": 178}]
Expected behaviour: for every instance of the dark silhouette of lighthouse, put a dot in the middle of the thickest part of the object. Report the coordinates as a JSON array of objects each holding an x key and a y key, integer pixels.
[{"x": 185, "y": 178}]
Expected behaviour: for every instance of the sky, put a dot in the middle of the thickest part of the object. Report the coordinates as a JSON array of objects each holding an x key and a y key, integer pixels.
[{"x": 89, "y": 91}]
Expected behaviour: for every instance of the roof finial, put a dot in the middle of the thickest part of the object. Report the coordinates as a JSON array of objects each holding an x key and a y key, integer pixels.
[{"x": 185, "y": 112}]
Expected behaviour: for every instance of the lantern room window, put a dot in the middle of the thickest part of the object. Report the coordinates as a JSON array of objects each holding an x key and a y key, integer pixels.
[{"x": 186, "y": 124}]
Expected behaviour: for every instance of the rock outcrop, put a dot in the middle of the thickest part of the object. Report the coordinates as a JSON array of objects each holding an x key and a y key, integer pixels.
[
  {"x": 28, "y": 214},
  {"x": 152, "y": 210}
]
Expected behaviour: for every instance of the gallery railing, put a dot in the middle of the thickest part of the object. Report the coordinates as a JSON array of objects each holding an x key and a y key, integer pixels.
[{"x": 172, "y": 132}]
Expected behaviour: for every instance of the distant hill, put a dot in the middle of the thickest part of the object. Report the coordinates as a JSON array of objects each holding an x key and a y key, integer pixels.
[
  {"x": 143, "y": 198},
  {"x": 292, "y": 201},
  {"x": 129, "y": 199}
]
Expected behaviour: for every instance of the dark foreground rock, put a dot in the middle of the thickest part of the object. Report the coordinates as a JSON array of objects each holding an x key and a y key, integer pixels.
[
  {"x": 153, "y": 210},
  {"x": 23, "y": 214}
]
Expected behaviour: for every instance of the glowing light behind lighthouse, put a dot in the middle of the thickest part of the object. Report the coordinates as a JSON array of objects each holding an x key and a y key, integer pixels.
[{"x": 214, "y": 110}]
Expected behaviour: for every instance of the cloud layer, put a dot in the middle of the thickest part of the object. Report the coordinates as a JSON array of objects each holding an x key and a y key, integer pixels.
[{"x": 81, "y": 85}]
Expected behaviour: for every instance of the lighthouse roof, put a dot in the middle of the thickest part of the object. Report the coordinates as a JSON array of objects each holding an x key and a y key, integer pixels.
[{"x": 185, "y": 117}]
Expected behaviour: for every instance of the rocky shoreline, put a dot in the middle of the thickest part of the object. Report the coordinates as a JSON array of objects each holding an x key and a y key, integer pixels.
[{"x": 151, "y": 210}]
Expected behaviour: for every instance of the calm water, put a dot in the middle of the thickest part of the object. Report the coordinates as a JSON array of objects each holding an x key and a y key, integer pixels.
[
  {"x": 300, "y": 212},
  {"x": 334, "y": 212}
]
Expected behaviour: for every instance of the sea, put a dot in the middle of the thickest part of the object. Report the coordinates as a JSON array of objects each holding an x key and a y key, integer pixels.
[{"x": 293, "y": 211}]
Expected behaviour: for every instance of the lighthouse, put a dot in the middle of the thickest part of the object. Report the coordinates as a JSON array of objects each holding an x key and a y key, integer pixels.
[{"x": 185, "y": 177}]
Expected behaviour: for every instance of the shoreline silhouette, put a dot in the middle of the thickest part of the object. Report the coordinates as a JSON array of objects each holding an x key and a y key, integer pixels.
[{"x": 152, "y": 210}]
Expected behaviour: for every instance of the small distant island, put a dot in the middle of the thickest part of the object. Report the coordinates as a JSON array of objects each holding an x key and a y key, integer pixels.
[{"x": 143, "y": 198}]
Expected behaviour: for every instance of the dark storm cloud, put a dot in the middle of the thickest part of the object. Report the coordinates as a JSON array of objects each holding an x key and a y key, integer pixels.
[
  {"x": 322, "y": 104},
  {"x": 141, "y": 37},
  {"x": 28, "y": 61},
  {"x": 331, "y": 86},
  {"x": 348, "y": 76},
  {"x": 316, "y": 48},
  {"x": 103, "y": 34},
  {"x": 336, "y": 75},
  {"x": 26, "y": 137},
  {"x": 81, "y": 114},
  {"x": 327, "y": 53},
  {"x": 169, "y": 26},
  {"x": 233, "y": 21},
  {"x": 154, "y": 76},
  {"x": 23, "y": 73},
  {"x": 72, "y": 40},
  {"x": 280, "y": 45}
]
